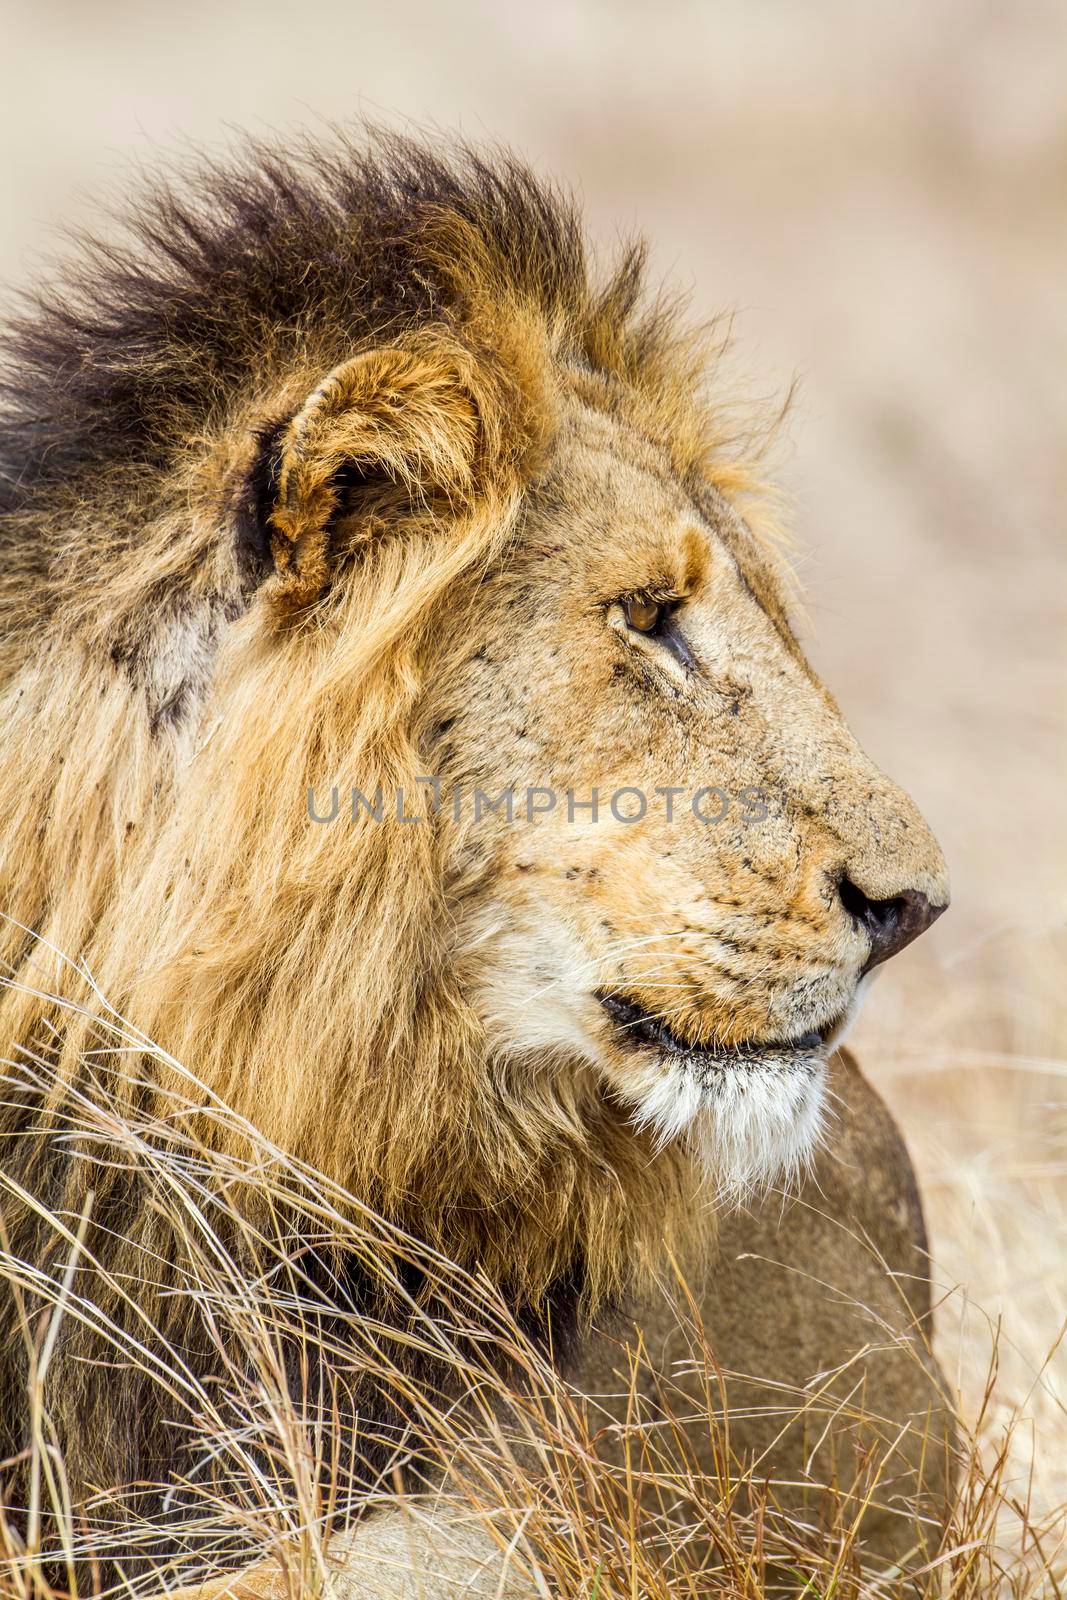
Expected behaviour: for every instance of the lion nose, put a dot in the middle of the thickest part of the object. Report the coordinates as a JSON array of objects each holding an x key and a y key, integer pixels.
[{"x": 889, "y": 924}]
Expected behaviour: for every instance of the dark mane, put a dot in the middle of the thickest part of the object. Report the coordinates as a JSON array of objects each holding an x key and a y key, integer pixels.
[{"x": 138, "y": 343}]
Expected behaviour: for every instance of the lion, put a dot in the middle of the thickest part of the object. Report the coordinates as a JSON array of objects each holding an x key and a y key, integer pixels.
[{"x": 407, "y": 733}]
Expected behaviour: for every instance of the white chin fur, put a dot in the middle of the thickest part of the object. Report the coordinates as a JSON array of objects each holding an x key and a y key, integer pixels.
[{"x": 753, "y": 1124}]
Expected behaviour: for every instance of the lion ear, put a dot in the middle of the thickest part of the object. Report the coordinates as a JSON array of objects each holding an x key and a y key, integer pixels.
[{"x": 387, "y": 419}]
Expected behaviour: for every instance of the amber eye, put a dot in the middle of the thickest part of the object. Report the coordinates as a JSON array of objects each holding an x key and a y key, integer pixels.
[{"x": 643, "y": 615}]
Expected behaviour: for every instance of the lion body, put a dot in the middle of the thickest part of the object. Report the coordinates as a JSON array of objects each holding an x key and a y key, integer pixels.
[
  {"x": 818, "y": 1311},
  {"x": 330, "y": 482}
]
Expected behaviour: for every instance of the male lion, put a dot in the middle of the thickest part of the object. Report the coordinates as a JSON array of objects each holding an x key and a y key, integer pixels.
[{"x": 345, "y": 475}]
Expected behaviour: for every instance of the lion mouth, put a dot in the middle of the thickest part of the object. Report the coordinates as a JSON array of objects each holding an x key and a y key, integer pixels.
[{"x": 639, "y": 1027}]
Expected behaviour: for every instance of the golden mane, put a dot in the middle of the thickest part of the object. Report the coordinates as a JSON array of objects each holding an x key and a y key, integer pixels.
[{"x": 177, "y": 670}]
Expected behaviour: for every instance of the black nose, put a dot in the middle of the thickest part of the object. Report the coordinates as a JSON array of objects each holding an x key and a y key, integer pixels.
[{"x": 889, "y": 924}]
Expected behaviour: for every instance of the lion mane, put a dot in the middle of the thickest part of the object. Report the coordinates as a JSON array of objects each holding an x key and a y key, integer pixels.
[{"x": 201, "y": 619}]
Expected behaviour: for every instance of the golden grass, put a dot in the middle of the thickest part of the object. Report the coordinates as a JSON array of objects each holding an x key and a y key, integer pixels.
[{"x": 528, "y": 1461}]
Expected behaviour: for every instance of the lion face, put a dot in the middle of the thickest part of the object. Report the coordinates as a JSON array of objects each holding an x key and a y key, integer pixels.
[{"x": 701, "y": 864}]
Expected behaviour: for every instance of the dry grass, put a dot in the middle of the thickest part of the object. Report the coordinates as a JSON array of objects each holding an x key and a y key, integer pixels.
[
  {"x": 529, "y": 1459},
  {"x": 881, "y": 190}
]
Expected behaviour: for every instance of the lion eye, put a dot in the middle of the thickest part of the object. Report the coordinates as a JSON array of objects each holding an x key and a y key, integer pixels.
[
  {"x": 643, "y": 615},
  {"x": 656, "y": 620}
]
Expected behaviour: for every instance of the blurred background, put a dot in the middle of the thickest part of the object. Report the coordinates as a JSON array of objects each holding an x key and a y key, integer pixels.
[{"x": 879, "y": 192}]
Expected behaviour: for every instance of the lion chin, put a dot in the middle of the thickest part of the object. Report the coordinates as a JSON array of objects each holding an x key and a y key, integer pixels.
[
  {"x": 751, "y": 1125},
  {"x": 754, "y": 1116}
]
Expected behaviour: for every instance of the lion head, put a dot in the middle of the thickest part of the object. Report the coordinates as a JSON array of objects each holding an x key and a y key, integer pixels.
[{"x": 405, "y": 726}]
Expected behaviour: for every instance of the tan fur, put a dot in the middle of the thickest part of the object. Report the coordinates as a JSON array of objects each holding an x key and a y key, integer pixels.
[{"x": 458, "y": 506}]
